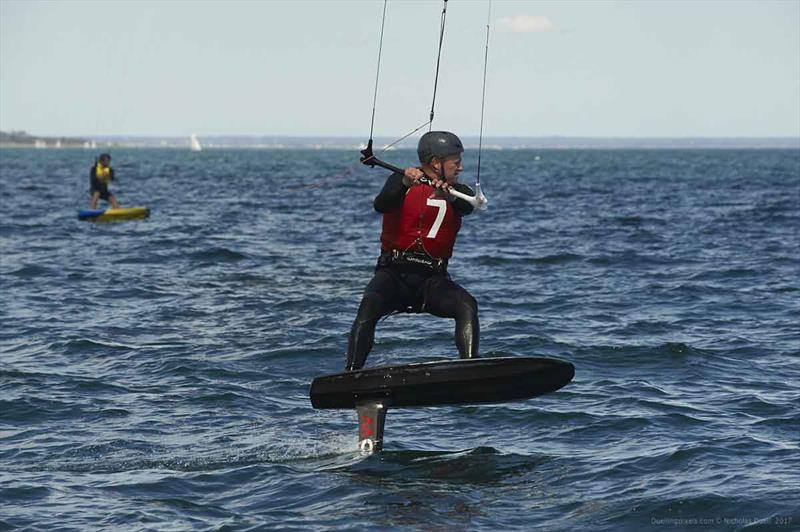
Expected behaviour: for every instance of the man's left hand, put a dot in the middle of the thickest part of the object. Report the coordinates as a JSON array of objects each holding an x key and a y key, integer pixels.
[{"x": 442, "y": 189}]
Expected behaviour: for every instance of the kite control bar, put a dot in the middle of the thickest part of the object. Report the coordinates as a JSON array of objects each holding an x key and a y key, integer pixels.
[{"x": 478, "y": 201}]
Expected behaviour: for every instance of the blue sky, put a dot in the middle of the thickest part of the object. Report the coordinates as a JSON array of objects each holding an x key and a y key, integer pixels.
[{"x": 603, "y": 69}]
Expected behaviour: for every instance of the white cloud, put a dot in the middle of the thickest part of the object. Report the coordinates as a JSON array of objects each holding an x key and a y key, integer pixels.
[{"x": 526, "y": 24}]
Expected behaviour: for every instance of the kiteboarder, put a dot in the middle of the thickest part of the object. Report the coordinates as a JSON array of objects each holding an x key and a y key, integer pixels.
[
  {"x": 421, "y": 220},
  {"x": 100, "y": 176}
]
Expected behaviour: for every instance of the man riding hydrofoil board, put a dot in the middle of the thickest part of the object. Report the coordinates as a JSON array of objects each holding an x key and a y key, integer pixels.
[{"x": 421, "y": 220}]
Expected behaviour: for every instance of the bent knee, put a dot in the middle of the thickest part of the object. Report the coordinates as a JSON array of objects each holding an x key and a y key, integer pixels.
[
  {"x": 467, "y": 308},
  {"x": 371, "y": 307},
  {"x": 469, "y": 302}
]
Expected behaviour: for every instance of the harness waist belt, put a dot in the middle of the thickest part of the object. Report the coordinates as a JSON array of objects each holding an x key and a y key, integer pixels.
[{"x": 413, "y": 259}]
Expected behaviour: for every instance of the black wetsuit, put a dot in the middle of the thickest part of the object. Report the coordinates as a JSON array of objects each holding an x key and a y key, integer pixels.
[
  {"x": 98, "y": 185},
  {"x": 409, "y": 287}
]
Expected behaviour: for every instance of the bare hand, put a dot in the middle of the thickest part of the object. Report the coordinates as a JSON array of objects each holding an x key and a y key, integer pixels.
[
  {"x": 442, "y": 188},
  {"x": 411, "y": 176}
]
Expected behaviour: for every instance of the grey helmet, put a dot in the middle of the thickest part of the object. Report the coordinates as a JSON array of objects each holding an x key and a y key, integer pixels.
[{"x": 439, "y": 144}]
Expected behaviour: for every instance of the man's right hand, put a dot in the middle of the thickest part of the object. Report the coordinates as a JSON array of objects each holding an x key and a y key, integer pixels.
[{"x": 411, "y": 176}]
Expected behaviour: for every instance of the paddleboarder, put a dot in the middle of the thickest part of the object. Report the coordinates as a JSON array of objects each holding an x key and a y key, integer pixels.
[
  {"x": 100, "y": 176},
  {"x": 421, "y": 220}
]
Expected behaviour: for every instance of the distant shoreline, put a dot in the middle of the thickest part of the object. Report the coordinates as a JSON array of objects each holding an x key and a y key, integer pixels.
[{"x": 264, "y": 142}]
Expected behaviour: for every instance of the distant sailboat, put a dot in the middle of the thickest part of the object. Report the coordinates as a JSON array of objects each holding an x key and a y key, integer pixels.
[
  {"x": 58, "y": 143},
  {"x": 195, "y": 144}
]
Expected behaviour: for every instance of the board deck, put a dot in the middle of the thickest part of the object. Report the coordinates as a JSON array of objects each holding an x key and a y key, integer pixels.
[
  {"x": 112, "y": 215},
  {"x": 473, "y": 381}
]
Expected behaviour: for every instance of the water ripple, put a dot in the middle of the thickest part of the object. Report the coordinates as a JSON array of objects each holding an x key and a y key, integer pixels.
[{"x": 154, "y": 374}]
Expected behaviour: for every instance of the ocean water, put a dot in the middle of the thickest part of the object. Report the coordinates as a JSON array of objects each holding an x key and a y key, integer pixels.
[{"x": 154, "y": 374}]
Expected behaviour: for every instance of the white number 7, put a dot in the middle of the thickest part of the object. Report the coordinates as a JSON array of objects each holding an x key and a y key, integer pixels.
[{"x": 442, "y": 206}]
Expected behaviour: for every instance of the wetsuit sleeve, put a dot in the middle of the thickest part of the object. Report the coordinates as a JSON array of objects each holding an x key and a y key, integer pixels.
[
  {"x": 93, "y": 184},
  {"x": 461, "y": 206},
  {"x": 111, "y": 174},
  {"x": 392, "y": 195}
]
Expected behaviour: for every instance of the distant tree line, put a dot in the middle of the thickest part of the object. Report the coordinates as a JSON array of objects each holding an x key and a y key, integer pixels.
[{"x": 22, "y": 138}]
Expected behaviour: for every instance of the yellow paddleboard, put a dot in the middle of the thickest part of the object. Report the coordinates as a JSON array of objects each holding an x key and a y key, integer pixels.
[{"x": 113, "y": 215}]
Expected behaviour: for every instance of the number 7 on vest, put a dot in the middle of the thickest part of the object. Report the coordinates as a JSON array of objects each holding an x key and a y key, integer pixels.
[{"x": 442, "y": 206}]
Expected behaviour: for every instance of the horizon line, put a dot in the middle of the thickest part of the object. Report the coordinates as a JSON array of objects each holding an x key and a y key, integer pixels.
[{"x": 327, "y": 136}]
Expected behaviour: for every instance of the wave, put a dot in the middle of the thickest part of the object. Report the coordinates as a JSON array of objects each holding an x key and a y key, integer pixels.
[
  {"x": 479, "y": 465},
  {"x": 216, "y": 254},
  {"x": 31, "y": 271},
  {"x": 497, "y": 260},
  {"x": 83, "y": 346}
]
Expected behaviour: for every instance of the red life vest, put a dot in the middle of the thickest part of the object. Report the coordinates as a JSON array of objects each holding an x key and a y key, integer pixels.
[{"x": 421, "y": 223}]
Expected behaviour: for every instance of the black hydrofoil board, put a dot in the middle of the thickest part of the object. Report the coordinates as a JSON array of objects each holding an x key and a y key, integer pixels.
[{"x": 452, "y": 382}]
